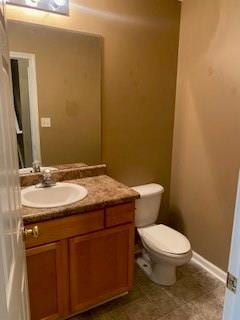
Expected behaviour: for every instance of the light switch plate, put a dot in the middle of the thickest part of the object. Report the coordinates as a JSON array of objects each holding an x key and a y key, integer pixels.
[{"x": 45, "y": 122}]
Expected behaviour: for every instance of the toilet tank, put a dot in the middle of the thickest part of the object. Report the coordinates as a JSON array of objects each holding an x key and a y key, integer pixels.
[{"x": 147, "y": 207}]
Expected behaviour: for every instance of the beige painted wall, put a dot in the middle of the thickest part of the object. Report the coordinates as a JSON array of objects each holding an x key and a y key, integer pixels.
[
  {"x": 68, "y": 67},
  {"x": 139, "y": 75},
  {"x": 206, "y": 152}
]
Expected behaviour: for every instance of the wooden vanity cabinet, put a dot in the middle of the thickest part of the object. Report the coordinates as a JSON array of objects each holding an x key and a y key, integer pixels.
[
  {"x": 100, "y": 266},
  {"x": 47, "y": 268},
  {"x": 88, "y": 261}
]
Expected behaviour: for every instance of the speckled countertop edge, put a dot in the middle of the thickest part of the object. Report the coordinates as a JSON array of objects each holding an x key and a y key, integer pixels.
[{"x": 103, "y": 192}]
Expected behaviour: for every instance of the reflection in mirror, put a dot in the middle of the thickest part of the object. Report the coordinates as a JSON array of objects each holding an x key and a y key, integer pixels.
[{"x": 56, "y": 76}]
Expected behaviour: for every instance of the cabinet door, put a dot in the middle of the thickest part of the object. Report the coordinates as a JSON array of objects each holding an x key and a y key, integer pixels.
[
  {"x": 101, "y": 266},
  {"x": 48, "y": 280}
]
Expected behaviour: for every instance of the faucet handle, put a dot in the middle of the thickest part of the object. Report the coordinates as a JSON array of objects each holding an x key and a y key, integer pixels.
[
  {"x": 47, "y": 178},
  {"x": 47, "y": 174},
  {"x": 36, "y": 166}
]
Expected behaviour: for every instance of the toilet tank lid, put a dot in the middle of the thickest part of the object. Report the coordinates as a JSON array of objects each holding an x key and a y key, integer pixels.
[{"x": 149, "y": 189}]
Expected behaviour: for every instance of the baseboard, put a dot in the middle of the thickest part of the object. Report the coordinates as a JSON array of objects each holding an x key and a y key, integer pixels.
[{"x": 210, "y": 267}]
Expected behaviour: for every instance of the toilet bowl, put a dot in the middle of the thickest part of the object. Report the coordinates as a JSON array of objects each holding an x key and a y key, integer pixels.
[{"x": 163, "y": 247}]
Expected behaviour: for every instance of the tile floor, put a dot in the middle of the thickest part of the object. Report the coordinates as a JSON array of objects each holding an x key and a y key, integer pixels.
[{"x": 195, "y": 296}]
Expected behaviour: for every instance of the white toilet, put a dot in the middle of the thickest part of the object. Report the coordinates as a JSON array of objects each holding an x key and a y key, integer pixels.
[{"x": 164, "y": 248}]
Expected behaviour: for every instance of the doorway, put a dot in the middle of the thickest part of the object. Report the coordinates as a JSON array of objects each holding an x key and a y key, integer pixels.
[{"x": 24, "y": 86}]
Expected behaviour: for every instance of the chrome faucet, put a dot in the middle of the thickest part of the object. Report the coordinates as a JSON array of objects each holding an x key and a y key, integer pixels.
[
  {"x": 47, "y": 180},
  {"x": 36, "y": 166}
]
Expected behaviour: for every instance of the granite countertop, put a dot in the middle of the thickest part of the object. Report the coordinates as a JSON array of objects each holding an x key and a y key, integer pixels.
[{"x": 103, "y": 191}]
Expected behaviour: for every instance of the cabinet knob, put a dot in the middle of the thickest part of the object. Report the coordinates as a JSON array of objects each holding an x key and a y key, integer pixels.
[{"x": 34, "y": 232}]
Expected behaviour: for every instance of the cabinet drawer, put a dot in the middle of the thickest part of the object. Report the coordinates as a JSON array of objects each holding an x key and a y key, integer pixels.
[
  {"x": 120, "y": 214},
  {"x": 57, "y": 229}
]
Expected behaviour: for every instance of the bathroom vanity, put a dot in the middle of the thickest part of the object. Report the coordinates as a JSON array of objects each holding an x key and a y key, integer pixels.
[{"x": 80, "y": 255}]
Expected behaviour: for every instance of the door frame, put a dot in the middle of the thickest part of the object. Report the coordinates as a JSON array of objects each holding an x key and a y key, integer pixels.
[
  {"x": 232, "y": 300},
  {"x": 33, "y": 101}
]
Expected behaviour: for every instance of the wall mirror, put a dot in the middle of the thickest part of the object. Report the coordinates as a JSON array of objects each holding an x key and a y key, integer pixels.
[{"x": 56, "y": 76}]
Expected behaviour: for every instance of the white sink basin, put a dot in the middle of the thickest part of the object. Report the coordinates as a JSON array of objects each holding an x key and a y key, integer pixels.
[
  {"x": 60, "y": 195},
  {"x": 30, "y": 170}
]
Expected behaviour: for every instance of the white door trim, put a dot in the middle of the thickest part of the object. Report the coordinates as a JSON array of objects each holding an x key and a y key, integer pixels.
[
  {"x": 33, "y": 101},
  {"x": 232, "y": 300}
]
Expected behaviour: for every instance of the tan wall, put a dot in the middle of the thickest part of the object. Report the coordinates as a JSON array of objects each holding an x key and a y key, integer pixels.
[
  {"x": 68, "y": 67},
  {"x": 206, "y": 153},
  {"x": 139, "y": 75}
]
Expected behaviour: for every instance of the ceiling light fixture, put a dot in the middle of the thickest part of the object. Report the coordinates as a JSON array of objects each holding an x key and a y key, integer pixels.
[
  {"x": 56, "y": 6},
  {"x": 32, "y": 3}
]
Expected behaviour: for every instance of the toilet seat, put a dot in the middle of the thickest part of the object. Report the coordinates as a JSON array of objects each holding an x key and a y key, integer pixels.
[{"x": 163, "y": 239}]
